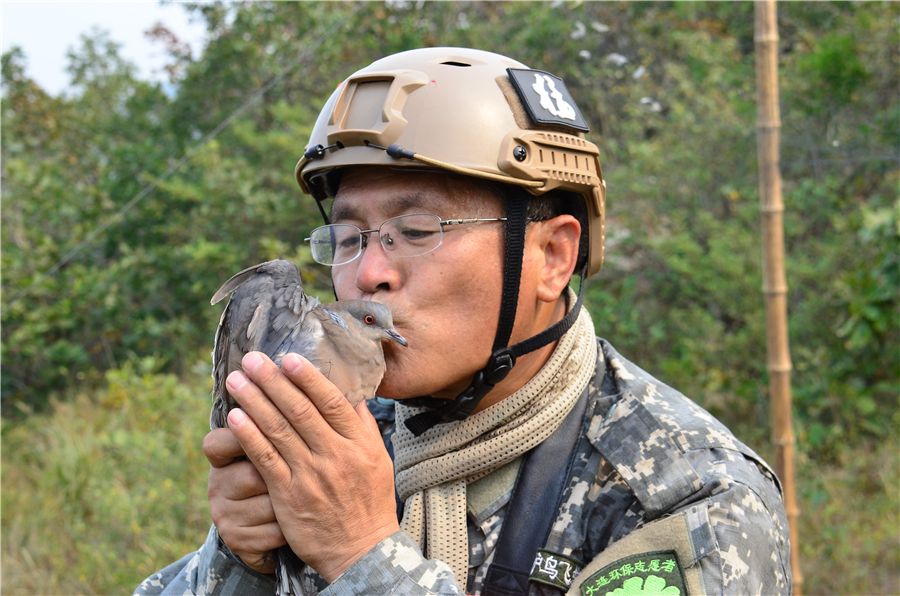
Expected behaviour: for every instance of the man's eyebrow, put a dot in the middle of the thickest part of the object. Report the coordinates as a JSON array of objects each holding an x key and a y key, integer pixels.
[{"x": 342, "y": 211}]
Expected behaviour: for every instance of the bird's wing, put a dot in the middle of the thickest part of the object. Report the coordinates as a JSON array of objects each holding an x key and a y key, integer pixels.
[
  {"x": 236, "y": 280},
  {"x": 226, "y": 358},
  {"x": 266, "y": 309}
]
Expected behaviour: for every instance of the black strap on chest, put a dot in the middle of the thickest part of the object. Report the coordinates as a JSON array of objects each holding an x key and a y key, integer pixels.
[{"x": 536, "y": 499}]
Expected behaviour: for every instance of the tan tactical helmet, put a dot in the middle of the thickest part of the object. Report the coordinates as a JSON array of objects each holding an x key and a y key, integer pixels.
[{"x": 466, "y": 111}]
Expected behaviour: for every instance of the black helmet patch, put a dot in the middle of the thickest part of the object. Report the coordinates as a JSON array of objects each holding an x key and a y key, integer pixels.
[{"x": 547, "y": 99}]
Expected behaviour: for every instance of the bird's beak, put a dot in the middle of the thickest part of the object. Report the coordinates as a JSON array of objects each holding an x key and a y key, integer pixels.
[{"x": 392, "y": 333}]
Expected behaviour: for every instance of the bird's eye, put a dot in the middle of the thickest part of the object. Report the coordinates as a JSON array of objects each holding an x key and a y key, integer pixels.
[{"x": 369, "y": 319}]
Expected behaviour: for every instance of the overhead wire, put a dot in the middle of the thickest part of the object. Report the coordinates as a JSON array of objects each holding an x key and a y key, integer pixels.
[{"x": 118, "y": 215}]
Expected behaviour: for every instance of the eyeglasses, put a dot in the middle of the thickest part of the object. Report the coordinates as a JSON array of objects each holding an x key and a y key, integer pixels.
[{"x": 411, "y": 235}]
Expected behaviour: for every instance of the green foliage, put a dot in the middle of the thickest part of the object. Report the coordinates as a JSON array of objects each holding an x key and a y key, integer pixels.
[
  {"x": 834, "y": 72},
  {"x": 143, "y": 287},
  {"x": 680, "y": 291},
  {"x": 67, "y": 165},
  {"x": 106, "y": 485},
  {"x": 669, "y": 90}
]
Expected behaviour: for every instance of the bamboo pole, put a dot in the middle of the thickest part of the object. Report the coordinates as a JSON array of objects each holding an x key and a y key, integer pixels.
[{"x": 768, "y": 132}]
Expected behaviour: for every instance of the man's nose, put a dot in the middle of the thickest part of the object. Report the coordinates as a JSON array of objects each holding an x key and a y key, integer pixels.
[{"x": 376, "y": 269}]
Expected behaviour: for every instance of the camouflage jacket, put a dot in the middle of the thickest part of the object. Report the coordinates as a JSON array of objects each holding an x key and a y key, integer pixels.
[{"x": 660, "y": 498}]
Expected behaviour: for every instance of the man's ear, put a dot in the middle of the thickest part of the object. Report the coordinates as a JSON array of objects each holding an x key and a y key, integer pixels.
[{"x": 558, "y": 238}]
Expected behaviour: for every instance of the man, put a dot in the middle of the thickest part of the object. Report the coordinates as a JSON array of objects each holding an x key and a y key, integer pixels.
[{"x": 528, "y": 455}]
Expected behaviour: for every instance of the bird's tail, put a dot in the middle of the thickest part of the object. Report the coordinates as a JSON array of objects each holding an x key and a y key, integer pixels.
[{"x": 289, "y": 573}]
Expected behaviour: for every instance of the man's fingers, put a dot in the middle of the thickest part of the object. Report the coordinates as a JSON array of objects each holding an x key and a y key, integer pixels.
[
  {"x": 271, "y": 400},
  {"x": 236, "y": 482},
  {"x": 252, "y": 544},
  {"x": 257, "y": 511},
  {"x": 221, "y": 447},
  {"x": 264, "y": 538},
  {"x": 247, "y": 513},
  {"x": 327, "y": 400},
  {"x": 366, "y": 416},
  {"x": 262, "y": 393},
  {"x": 324, "y": 464},
  {"x": 259, "y": 449}
]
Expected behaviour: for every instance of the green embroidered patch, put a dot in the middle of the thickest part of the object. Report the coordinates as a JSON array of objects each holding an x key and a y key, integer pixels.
[
  {"x": 554, "y": 569},
  {"x": 657, "y": 573}
]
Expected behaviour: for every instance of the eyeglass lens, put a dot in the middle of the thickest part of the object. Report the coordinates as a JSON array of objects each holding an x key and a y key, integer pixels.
[{"x": 404, "y": 236}]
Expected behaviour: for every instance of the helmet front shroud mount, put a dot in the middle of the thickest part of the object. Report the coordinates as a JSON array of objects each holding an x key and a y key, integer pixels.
[{"x": 477, "y": 114}]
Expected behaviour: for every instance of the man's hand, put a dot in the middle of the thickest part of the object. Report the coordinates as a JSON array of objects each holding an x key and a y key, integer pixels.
[
  {"x": 329, "y": 476},
  {"x": 239, "y": 502}
]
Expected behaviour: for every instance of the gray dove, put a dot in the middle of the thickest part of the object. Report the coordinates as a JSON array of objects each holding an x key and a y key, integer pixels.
[{"x": 268, "y": 312}]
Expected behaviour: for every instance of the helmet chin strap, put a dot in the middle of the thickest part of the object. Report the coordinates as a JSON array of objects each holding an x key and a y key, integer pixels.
[{"x": 502, "y": 358}]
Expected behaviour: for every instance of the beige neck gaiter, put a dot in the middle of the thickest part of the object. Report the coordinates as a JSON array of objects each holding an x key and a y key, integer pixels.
[{"x": 432, "y": 470}]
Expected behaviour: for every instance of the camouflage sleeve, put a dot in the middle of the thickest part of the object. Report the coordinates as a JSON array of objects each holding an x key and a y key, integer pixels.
[
  {"x": 730, "y": 537},
  {"x": 395, "y": 567},
  {"x": 748, "y": 523},
  {"x": 210, "y": 571}
]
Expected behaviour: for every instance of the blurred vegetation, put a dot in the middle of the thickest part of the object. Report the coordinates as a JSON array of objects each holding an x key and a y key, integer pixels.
[
  {"x": 104, "y": 486},
  {"x": 105, "y": 360}
]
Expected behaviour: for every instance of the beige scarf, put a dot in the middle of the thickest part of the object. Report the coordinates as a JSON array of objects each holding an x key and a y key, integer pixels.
[{"x": 432, "y": 470}]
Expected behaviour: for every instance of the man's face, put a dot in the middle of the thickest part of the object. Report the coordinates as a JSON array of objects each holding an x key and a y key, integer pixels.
[{"x": 445, "y": 303}]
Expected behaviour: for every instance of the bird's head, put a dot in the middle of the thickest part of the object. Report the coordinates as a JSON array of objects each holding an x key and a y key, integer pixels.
[{"x": 374, "y": 319}]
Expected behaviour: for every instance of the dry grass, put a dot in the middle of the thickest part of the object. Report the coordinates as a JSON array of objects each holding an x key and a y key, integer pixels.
[
  {"x": 105, "y": 488},
  {"x": 850, "y": 522}
]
